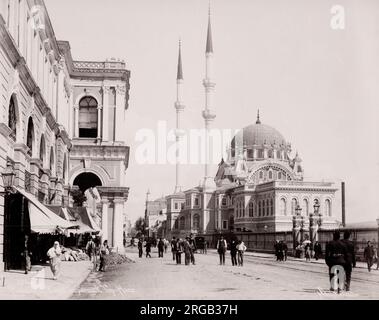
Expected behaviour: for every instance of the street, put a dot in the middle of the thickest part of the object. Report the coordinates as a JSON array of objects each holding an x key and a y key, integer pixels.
[{"x": 261, "y": 277}]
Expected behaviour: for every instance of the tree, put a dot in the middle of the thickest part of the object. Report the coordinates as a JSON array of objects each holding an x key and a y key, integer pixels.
[{"x": 140, "y": 225}]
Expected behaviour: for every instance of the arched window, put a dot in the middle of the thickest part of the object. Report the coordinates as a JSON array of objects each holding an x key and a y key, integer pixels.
[
  {"x": 283, "y": 207},
  {"x": 305, "y": 207},
  {"x": 30, "y": 136},
  {"x": 260, "y": 174},
  {"x": 272, "y": 207},
  {"x": 88, "y": 117},
  {"x": 293, "y": 206},
  {"x": 176, "y": 224},
  {"x": 42, "y": 150},
  {"x": 327, "y": 208},
  {"x": 223, "y": 201},
  {"x": 263, "y": 208},
  {"x": 278, "y": 154},
  {"x": 279, "y": 175},
  {"x": 231, "y": 223},
  {"x": 251, "y": 209},
  {"x": 270, "y": 175},
  {"x": 196, "y": 222},
  {"x": 52, "y": 166},
  {"x": 182, "y": 223},
  {"x": 12, "y": 118}
]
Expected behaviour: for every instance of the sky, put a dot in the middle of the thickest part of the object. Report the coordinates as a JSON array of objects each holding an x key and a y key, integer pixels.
[{"x": 315, "y": 84}]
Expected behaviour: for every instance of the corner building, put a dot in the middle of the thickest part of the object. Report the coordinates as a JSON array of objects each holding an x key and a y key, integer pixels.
[{"x": 60, "y": 125}]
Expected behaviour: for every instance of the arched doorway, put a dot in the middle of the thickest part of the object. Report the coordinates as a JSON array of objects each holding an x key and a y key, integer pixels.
[{"x": 87, "y": 180}]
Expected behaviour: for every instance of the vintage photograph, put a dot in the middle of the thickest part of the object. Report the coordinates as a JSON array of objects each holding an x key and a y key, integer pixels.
[{"x": 189, "y": 150}]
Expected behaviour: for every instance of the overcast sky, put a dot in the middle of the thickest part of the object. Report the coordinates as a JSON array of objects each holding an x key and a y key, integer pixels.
[{"x": 315, "y": 85}]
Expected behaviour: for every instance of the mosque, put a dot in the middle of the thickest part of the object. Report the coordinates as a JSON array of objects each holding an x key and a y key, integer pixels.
[{"x": 258, "y": 188}]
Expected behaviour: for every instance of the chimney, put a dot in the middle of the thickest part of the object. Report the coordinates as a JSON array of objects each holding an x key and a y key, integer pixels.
[{"x": 343, "y": 204}]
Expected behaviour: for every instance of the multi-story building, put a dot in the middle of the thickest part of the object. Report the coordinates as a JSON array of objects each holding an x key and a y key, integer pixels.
[{"x": 60, "y": 124}]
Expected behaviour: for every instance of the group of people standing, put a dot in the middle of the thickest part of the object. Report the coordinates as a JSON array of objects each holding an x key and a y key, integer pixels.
[
  {"x": 237, "y": 247},
  {"x": 186, "y": 246},
  {"x": 162, "y": 245},
  {"x": 281, "y": 250}
]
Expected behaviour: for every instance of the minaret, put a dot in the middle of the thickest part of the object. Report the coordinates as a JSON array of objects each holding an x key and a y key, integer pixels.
[
  {"x": 208, "y": 115},
  {"x": 179, "y": 106}
]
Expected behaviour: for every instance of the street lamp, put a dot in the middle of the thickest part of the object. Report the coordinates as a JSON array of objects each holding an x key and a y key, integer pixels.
[{"x": 8, "y": 177}]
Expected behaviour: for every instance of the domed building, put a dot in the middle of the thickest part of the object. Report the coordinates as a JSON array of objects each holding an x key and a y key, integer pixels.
[{"x": 258, "y": 193}]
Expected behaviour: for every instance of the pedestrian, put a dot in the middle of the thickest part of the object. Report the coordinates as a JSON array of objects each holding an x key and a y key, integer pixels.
[
  {"x": 104, "y": 252},
  {"x": 307, "y": 250},
  {"x": 280, "y": 251},
  {"x": 241, "y": 248},
  {"x": 178, "y": 250},
  {"x": 335, "y": 258},
  {"x": 173, "y": 248},
  {"x": 350, "y": 258},
  {"x": 233, "y": 252},
  {"x": 165, "y": 245},
  {"x": 140, "y": 250},
  {"x": 90, "y": 248},
  {"x": 54, "y": 255},
  {"x": 221, "y": 249},
  {"x": 26, "y": 255},
  {"x": 192, "y": 244},
  {"x": 205, "y": 247},
  {"x": 187, "y": 251},
  {"x": 285, "y": 250},
  {"x": 276, "y": 248},
  {"x": 160, "y": 248},
  {"x": 369, "y": 255},
  {"x": 317, "y": 250},
  {"x": 148, "y": 248}
]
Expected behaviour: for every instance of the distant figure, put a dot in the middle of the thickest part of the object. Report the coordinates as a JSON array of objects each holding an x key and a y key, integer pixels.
[
  {"x": 192, "y": 244},
  {"x": 369, "y": 254},
  {"x": 205, "y": 247},
  {"x": 148, "y": 248},
  {"x": 221, "y": 249},
  {"x": 178, "y": 251},
  {"x": 335, "y": 255},
  {"x": 160, "y": 248},
  {"x": 233, "y": 252},
  {"x": 165, "y": 245},
  {"x": 276, "y": 248},
  {"x": 54, "y": 255},
  {"x": 173, "y": 248},
  {"x": 187, "y": 251},
  {"x": 307, "y": 250},
  {"x": 26, "y": 255},
  {"x": 280, "y": 251},
  {"x": 350, "y": 258},
  {"x": 318, "y": 250},
  {"x": 285, "y": 250},
  {"x": 140, "y": 250},
  {"x": 90, "y": 248},
  {"x": 241, "y": 248},
  {"x": 104, "y": 251}
]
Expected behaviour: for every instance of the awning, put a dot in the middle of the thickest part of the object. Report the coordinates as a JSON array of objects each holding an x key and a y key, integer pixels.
[
  {"x": 42, "y": 219},
  {"x": 83, "y": 217}
]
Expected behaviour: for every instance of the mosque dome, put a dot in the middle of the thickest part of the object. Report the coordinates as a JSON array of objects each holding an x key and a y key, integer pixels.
[{"x": 258, "y": 134}]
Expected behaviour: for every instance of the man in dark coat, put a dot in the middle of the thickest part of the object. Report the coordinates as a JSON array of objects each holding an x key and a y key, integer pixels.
[
  {"x": 335, "y": 258},
  {"x": 350, "y": 258},
  {"x": 140, "y": 245},
  {"x": 192, "y": 244},
  {"x": 285, "y": 250},
  {"x": 221, "y": 249},
  {"x": 173, "y": 248},
  {"x": 187, "y": 251},
  {"x": 369, "y": 254},
  {"x": 178, "y": 251},
  {"x": 160, "y": 248},
  {"x": 148, "y": 248},
  {"x": 233, "y": 252},
  {"x": 318, "y": 250}
]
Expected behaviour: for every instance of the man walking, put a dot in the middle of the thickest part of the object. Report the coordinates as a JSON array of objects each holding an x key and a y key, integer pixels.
[
  {"x": 173, "y": 248},
  {"x": 241, "y": 248},
  {"x": 369, "y": 255},
  {"x": 233, "y": 252},
  {"x": 140, "y": 250},
  {"x": 187, "y": 251},
  {"x": 335, "y": 258},
  {"x": 221, "y": 249},
  {"x": 90, "y": 248},
  {"x": 318, "y": 250},
  {"x": 178, "y": 250},
  {"x": 160, "y": 248},
  {"x": 350, "y": 258},
  {"x": 148, "y": 248}
]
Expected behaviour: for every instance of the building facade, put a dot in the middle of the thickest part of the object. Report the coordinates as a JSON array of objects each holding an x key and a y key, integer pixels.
[{"x": 42, "y": 91}]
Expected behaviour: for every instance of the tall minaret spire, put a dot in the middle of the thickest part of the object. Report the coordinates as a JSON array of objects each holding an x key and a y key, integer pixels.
[
  {"x": 179, "y": 106},
  {"x": 208, "y": 114}
]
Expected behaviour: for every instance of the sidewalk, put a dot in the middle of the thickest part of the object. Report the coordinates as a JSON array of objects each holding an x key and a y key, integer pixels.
[
  {"x": 39, "y": 283},
  {"x": 359, "y": 265}
]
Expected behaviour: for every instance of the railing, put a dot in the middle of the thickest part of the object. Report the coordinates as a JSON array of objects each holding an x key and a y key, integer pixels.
[{"x": 106, "y": 65}]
